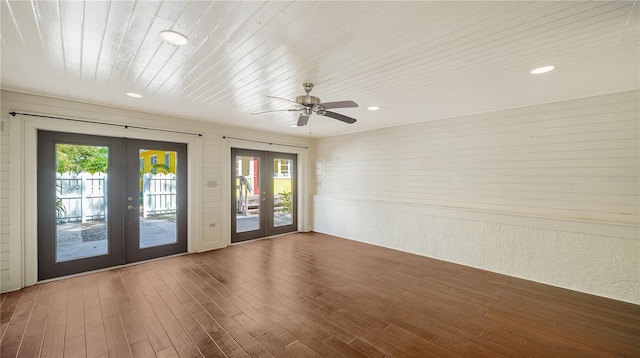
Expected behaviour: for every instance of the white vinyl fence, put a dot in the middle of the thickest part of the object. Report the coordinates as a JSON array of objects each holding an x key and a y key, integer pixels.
[
  {"x": 84, "y": 195},
  {"x": 159, "y": 194}
]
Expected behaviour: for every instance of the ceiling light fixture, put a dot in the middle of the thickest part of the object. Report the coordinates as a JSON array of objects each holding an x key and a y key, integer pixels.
[
  {"x": 373, "y": 108},
  {"x": 134, "y": 95},
  {"x": 174, "y": 38},
  {"x": 543, "y": 69}
]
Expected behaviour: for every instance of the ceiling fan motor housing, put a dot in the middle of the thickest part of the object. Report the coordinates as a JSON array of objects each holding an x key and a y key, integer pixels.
[{"x": 308, "y": 100}]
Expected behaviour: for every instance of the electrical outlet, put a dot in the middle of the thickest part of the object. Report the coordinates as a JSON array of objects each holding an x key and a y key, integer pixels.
[
  {"x": 212, "y": 225},
  {"x": 212, "y": 183}
]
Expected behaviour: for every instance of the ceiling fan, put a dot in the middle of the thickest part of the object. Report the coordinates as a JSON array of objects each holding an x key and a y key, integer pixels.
[{"x": 309, "y": 104}]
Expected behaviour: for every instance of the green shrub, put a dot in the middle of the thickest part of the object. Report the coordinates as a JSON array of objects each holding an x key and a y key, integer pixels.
[{"x": 286, "y": 199}]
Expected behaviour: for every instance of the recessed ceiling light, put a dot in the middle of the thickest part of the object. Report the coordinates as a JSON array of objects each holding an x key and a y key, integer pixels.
[
  {"x": 542, "y": 69},
  {"x": 373, "y": 108},
  {"x": 134, "y": 95},
  {"x": 173, "y": 37}
]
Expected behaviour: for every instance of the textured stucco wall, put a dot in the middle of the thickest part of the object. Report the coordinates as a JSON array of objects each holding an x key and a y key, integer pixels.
[{"x": 592, "y": 263}]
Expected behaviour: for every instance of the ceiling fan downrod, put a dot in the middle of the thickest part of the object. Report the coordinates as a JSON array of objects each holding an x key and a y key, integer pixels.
[{"x": 307, "y": 87}]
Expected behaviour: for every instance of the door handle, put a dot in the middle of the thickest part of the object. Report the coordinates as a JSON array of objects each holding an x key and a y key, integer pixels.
[{"x": 131, "y": 207}]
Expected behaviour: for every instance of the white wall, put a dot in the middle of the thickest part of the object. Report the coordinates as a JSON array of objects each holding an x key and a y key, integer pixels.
[
  {"x": 547, "y": 193},
  {"x": 5, "y": 260},
  {"x": 209, "y": 168}
]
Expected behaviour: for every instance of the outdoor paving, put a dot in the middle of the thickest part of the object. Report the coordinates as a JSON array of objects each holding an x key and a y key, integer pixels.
[
  {"x": 70, "y": 244},
  {"x": 153, "y": 232},
  {"x": 251, "y": 222}
]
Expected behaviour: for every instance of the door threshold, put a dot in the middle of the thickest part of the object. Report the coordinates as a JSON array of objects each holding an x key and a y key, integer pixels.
[
  {"x": 107, "y": 269},
  {"x": 264, "y": 238}
]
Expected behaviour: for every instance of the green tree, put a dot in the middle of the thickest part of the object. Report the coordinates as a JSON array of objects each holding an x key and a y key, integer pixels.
[
  {"x": 81, "y": 158},
  {"x": 159, "y": 168}
]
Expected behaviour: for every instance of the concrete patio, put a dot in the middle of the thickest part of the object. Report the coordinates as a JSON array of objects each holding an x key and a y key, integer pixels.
[
  {"x": 75, "y": 240},
  {"x": 251, "y": 222}
]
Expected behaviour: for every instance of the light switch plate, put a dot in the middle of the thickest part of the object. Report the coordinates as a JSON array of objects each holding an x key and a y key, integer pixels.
[{"x": 319, "y": 168}]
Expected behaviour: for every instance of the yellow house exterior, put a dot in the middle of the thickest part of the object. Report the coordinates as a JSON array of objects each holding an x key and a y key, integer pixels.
[
  {"x": 149, "y": 157},
  {"x": 281, "y": 185},
  {"x": 281, "y": 180}
]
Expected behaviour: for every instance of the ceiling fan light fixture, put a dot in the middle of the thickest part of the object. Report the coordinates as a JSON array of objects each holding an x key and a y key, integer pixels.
[
  {"x": 134, "y": 95},
  {"x": 373, "y": 108},
  {"x": 174, "y": 38},
  {"x": 309, "y": 105},
  {"x": 543, "y": 69}
]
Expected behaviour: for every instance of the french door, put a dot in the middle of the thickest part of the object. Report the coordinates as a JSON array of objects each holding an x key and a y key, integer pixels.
[
  {"x": 105, "y": 201},
  {"x": 263, "y": 193}
]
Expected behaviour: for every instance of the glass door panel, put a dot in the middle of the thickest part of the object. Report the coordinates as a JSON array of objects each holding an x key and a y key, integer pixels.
[
  {"x": 158, "y": 198},
  {"x": 283, "y": 192},
  {"x": 247, "y": 193},
  {"x": 282, "y": 203},
  {"x": 81, "y": 198},
  {"x": 80, "y": 224}
]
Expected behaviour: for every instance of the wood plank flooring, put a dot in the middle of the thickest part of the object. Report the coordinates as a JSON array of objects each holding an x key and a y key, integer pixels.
[{"x": 310, "y": 295}]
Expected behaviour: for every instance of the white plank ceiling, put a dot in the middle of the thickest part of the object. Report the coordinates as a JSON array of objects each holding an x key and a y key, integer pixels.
[{"x": 418, "y": 61}]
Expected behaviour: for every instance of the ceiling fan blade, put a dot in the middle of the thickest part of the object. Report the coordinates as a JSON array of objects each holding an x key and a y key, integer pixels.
[
  {"x": 285, "y": 100},
  {"x": 339, "y": 117},
  {"x": 341, "y": 104},
  {"x": 303, "y": 120},
  {"x": 277, "y": 110}
]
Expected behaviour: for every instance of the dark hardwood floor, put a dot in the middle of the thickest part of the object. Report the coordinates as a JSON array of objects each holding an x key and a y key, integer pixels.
[{"x": 310, "y": 295}]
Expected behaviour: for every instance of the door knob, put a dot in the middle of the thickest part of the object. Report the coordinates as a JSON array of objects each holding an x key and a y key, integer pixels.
[{"x": 131, "y": 207}]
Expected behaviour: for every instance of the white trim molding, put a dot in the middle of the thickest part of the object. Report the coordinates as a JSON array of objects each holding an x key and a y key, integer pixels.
[
  {"x": 16, "y": 214},
  {"x": 27, "y": 175},
  {"x": 302, "y": 165}
]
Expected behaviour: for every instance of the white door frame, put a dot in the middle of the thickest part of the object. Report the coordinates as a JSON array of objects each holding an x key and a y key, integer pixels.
[
  {"x": 23, "y": 198},
  {"x": 302, "y": 161}
]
